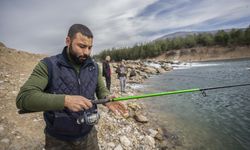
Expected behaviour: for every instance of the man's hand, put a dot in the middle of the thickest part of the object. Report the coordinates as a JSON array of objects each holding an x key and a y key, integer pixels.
[
  {"x": 117, "y": 108},
  {"x": 77, "y": 103}
]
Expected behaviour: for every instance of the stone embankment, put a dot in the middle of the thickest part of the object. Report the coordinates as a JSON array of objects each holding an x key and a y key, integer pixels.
[{"x": 135, "y": 131}]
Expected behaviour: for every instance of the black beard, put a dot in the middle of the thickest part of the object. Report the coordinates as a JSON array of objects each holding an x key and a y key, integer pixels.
[{"x": 77, "y": 59}]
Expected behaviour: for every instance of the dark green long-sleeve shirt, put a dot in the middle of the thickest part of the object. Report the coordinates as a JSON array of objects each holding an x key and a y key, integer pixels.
[{"x": 32, "y": 96}]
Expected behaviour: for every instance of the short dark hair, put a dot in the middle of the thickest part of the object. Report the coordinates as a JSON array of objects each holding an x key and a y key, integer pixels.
[{"x": 84, "y": 30}]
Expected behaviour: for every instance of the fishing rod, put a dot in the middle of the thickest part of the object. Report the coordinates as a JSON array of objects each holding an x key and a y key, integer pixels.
[{"x": 202, "y": 90}]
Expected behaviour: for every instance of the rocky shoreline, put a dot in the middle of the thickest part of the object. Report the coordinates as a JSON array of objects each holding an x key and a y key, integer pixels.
[{"x": 136, "y": 131}]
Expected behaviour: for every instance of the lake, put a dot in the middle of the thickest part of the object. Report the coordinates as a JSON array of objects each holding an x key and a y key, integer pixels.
[{"x": 219, "y": 121}]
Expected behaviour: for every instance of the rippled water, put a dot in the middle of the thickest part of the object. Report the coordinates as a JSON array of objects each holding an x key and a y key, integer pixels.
[{"x": 221, "y": 120}]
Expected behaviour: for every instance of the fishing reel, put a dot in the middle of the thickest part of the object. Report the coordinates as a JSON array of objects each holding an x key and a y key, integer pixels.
[{"x": 89, "y": 117}]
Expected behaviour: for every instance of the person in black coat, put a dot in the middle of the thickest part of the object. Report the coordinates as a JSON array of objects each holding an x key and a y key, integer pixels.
[{"x": 106, "y": 71}]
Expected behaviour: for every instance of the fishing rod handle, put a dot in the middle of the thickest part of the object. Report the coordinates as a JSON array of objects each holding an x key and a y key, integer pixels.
[{"x": 98, "y": 101}]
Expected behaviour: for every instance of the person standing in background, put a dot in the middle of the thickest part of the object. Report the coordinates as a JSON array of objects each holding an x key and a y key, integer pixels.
[
  {"x": 122, "y": 75},
  {"x": 106, "y": 71}
]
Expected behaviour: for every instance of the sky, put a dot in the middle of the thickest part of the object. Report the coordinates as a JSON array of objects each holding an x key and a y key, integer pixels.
[{"x": 41, "y": 26}]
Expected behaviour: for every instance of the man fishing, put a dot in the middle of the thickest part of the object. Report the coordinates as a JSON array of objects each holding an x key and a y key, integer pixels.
[{"x": 63, "y": 86}]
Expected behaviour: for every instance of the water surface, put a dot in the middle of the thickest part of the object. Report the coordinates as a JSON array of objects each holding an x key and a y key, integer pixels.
[{"x": 221, "y": 120}]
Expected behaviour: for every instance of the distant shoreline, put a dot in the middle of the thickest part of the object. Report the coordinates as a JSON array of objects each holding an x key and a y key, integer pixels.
[
  {"x": 200, "y": 54},
  {"x": 218, "y": 60}
]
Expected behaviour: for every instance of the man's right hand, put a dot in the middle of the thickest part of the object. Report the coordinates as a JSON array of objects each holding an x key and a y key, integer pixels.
[{"x": 77, "y": 103}]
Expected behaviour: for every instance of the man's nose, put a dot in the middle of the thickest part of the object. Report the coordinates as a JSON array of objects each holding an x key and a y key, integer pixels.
[{"x": 85, "y": 51}]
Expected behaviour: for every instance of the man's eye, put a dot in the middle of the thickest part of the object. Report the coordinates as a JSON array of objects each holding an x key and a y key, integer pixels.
[{"x": 83, "y": 46}]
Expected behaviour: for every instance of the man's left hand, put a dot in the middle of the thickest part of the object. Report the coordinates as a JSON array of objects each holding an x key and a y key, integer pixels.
[{"x": 117, "y": 108}]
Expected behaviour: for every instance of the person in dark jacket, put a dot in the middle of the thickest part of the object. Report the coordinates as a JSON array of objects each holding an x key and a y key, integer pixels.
[
  {"x": 63, "y": 86},
  {"x": 106, "y": 71}
]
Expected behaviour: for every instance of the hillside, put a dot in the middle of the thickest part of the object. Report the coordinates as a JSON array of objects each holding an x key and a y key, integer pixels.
[
  {"x": 184, "y": 34},
  {"x": 206, "y": 53},
  {"x": 228, "y": 39},
  {"x": 15, "y": 67}
]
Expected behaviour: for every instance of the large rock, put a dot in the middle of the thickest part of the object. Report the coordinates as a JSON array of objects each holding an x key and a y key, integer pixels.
[
  {"x": 143, "y": 74},
  {"x": 125, "y": 141},
  {"x": 150, "y": 70},
  {"x": 150, "y": 140},
  {"x": 134, "y": 106},
  {"x": 153, "y": 132},
  {"x": 2, "y": 131},
  {"x": 5, "y": 141},
  {"x": 140, "y": 118},
  {"x": 167, "y": 67},
  {"x": 111, "y": 144},
  {"x": 160, "y": 70},
  {"x": 118, "y": 147},
  {"x": 159, "y": 136}
]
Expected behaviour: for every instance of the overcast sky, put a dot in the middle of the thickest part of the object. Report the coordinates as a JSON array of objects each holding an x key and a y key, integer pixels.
[{"x": 40, "y": 26}]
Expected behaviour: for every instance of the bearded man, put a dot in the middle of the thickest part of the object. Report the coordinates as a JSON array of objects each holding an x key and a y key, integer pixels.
[{"x": 63, "y": 86}]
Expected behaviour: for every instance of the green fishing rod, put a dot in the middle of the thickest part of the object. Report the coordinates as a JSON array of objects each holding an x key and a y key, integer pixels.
[{"x": 202, "y": 90}]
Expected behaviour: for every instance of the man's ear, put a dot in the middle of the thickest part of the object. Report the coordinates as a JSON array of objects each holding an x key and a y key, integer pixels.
[{"x": 68, "y": 41}]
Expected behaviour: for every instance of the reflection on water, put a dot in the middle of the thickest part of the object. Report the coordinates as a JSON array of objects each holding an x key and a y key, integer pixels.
[{"x": 221, "y": 120}]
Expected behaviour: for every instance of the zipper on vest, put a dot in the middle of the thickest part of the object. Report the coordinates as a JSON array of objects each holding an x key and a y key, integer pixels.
[{"x": 79, "y": 82}]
